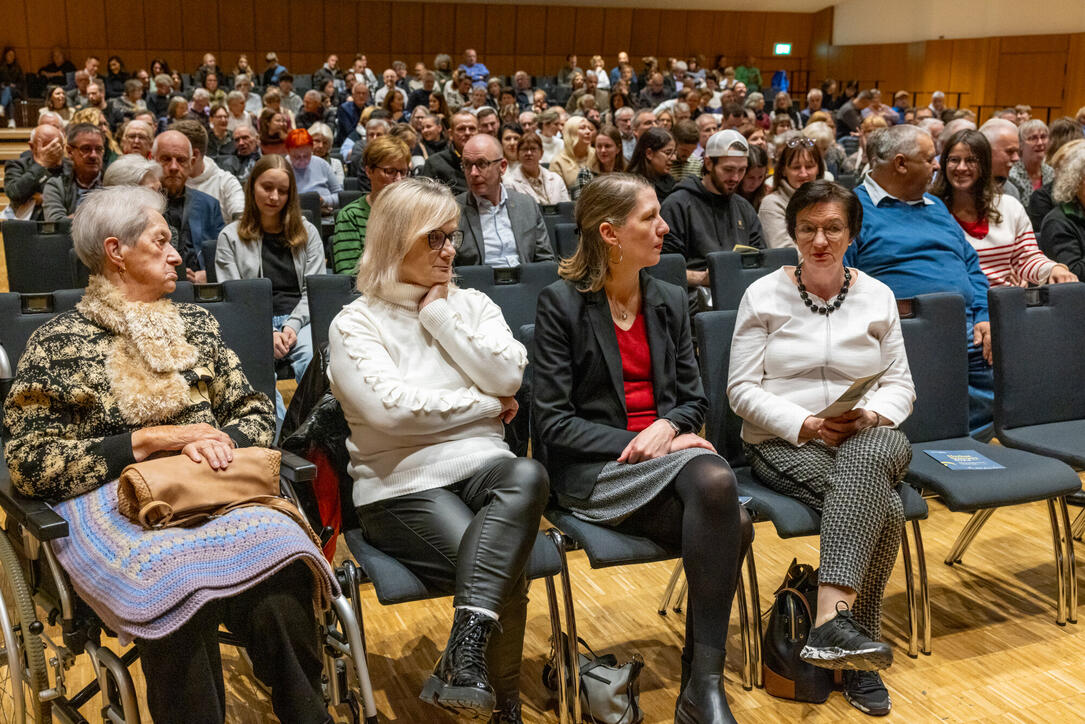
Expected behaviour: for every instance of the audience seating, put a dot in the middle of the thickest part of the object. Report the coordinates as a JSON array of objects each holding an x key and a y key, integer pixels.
[
  {"x": 671, "y": 268},
  {"x": 36, "y": 254},
  {"x": 310, "y": 202},
  {"x": 937, "y": 356},
  {"x": 514, "y": 289},
  {"x": 790, "y": 517},
  {"x": 348, "y": 195},
  {"x": 210, "y": 247},
  {"x": 350, "y": 183},
  {"x": 731, "y": 272},
  {"x": 564, "y": 237}
]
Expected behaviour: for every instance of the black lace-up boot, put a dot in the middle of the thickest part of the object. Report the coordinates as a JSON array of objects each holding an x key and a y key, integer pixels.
[
  {"x": 459, "y": 682},
  {"x": 508, "y": 713}
]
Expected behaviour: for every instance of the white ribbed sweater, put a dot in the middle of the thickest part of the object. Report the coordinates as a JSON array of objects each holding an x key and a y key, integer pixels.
[{"x": 420, "y": 389}]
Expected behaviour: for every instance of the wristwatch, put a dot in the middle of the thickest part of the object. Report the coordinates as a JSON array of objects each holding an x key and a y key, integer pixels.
[{"x": 674, "y": 426}]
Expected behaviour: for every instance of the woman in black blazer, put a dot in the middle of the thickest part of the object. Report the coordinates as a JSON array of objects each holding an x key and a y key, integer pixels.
[{"x": 618, "y": 404}]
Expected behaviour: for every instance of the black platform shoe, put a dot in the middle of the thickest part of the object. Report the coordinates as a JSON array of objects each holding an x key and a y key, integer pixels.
[{"x": 459, "y": 682}]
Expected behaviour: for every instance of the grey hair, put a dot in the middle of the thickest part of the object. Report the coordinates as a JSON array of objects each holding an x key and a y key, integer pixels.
[
  {"x": 822, "y": 134},
  {"x": 313, "y": 94},
  {"x": 957, "y": 124},
  {"x": 624, "y": 111},
  {"x": 130, "y": 170},
  {"x": 242, "y": 78},
  {"x": 995, "y": 127},
  {"x": 322, "y": 129},
  {"x": 235, "y": 95},
  {"x": 884, "y": 144},
  {"x": 814, "y": 93},
  {"x": 119, "y": 211},
  {"x": 754, "y": 98},
  {"x": 201, "y": 93},
  {"x": 1069, "y": 177},
  {"x": 378, "y": 122},
  {"x": 163, "y": 79},
  {"x": 1028, "y": 127}
]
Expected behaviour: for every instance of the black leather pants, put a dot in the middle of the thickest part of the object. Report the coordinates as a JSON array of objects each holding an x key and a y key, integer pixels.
[{"x": 472, "y": 539}]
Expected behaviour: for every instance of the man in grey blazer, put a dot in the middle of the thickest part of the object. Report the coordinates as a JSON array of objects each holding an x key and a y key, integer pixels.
[{"x": 501, "y": 227}]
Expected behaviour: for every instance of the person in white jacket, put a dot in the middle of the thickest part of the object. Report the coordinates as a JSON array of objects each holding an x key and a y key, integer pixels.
[
  {"x": 802, "y": 336},
  {"x": 426, "y": 374}
]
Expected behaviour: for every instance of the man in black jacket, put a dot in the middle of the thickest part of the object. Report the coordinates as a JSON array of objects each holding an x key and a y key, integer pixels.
[
  {"x": 447, "y": 166},
  {"x": 706, "y": 215},
  {"x": 313, "y": 111},
  {"x": 25, "y": 177}
]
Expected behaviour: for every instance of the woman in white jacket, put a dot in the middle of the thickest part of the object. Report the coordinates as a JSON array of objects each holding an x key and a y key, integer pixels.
[{"x": 426, "y": 374}]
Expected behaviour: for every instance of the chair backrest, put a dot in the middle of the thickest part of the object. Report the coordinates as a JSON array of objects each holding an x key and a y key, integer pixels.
[
  {"x": 350, "y": 183},
  {"x": 328, "y": 293},
  {"x": 563, "y": 237},
  {"x": 210, "y": 247},
  {"x": 567, "y": 209},
  {"x": 310, "y": 202},
  {"x": 237, "y": 305},
  {"x": 730, "y": 273},
  {"x": 1030, "y": 326},
  {"x": 933, "y": 326},
  {"x": 723, "y": 427},
  {"x": 671, "y": 268},
  {"x": 514, "y": 289},
  {"x": 348, "y": 195},
  {"x": 36, "y": 254}
]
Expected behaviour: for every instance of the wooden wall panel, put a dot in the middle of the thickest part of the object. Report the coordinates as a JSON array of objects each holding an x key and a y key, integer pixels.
[
  {"x": 698, "y": 35},
  {"x": 500, "y": 30},
  {"x": 439, "y": 31},
  {"x": 671, "y": 38},
  {"x": 86, "y": 24},
  {"x": 588, "y": 34},
  {"x": 406, "y": 28},
  {"x": 45, "y": 27},
  {"x": 530, "y": 31},
  {"x": 1075, "y": 75},
  {"x": 272, "y": 30},
  {"x": 1034, "y": 78},
  {"x": 374, "y": 26},
  {"x": 560, "y": 25},
  {"x": 1034, "y": 43},
  {"x": 341, "y": 30},
  {"x": 306, "y": 26},
  {"x": 644, "y": 38},
  {"x": 124, "y": 26},
  {"x": 617, "y": 30},
  {"x": 470, "y": 29},
  {"x": 200, "y": 27},
  {"x": 235, "y": 36}
]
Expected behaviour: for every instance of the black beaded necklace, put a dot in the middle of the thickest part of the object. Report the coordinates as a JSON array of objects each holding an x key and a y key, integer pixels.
[{"x": 817, "y": 308}]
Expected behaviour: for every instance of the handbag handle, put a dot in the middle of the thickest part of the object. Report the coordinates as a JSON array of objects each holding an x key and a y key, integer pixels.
[{"x": 154, "y": 505}]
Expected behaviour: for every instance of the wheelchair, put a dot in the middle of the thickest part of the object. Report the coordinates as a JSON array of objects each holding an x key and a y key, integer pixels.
[{"x": 35, "y": 662}]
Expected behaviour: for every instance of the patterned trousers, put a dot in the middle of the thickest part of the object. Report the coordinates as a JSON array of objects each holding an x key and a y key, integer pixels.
[{"x": 862, "y": 518}]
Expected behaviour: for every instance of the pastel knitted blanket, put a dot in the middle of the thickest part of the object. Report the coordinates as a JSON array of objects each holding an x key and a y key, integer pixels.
[{"x": 147, "y": 583}]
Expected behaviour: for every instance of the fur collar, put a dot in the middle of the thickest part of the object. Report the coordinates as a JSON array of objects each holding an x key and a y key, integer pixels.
[{"x": 148, "y": 353}]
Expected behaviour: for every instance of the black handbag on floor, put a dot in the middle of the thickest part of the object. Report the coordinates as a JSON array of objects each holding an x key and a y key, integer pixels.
[{"x": 789, "y": 622}]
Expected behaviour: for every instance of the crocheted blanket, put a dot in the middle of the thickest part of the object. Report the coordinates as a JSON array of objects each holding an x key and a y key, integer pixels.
[{"x": 147, "y": 583}]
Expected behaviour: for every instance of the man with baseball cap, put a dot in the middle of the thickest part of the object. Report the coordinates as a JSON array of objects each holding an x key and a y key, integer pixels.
[{"x": 705, "y": 214}]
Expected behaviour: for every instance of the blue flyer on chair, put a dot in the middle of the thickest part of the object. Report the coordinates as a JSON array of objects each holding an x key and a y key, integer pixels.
[{"x": 964, "y": 460}]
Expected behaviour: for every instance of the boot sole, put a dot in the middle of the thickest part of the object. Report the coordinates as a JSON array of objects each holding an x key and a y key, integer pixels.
[
  {"x": 834, "y": 658},
  {"x": 867, "y": 710},
  {"x": 462, "y": 700}
]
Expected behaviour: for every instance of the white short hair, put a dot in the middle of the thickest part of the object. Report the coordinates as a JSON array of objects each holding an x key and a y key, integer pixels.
[
  {"x": 119, "y": 211},
  {"x": 321, "y": 129},
  {"x": 201, "y": 93},
  {"x": 884, "y": 144},
  {"x": 130, "y": 170}
]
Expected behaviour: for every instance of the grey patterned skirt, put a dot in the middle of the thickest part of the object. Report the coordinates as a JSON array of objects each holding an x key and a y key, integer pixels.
[{"x": 623, "y": 488}]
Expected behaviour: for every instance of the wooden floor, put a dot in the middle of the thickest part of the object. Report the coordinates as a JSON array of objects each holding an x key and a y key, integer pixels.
[{"x": 998, "y": 654}]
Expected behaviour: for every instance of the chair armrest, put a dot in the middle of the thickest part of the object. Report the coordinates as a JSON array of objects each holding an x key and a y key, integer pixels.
[
  {"x": 295, "y": 468},
  {"x": 35, "y": 515}
]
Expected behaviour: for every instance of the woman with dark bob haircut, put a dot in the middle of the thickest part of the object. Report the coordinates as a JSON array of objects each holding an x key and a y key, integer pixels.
[
  {"x": 618, "y": 407},
  {"x": 803, "y": 334}
]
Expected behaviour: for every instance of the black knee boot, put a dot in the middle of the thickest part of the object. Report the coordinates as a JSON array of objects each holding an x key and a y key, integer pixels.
[
  {"x": 460, "y": 682},
  {"x": 702, "y": 700}
]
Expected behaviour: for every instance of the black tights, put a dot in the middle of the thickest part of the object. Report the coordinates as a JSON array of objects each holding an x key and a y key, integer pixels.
[{"x": 699, "y": 515}]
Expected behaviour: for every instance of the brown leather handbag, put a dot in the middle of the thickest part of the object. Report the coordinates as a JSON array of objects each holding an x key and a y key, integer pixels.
[{"x": 175, "y": 491}]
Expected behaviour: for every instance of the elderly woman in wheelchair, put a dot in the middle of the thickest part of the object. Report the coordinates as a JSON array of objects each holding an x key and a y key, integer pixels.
[{"x": 128, "y": 375}]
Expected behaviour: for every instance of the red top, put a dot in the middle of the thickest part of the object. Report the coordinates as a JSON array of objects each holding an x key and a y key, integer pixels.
[
  {"x": 640, "y": 398},
  {"x": 978, "y": 229}
]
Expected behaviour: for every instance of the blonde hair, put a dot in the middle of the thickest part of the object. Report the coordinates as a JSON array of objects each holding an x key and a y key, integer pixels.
[
  {"x": 570, "y": 134},
  {"x": 1070, "y": 176},
  {"x": 1060, "y": 155},
  {"x": 401, "y": 215},
  {"x": 610, "y": 198}
]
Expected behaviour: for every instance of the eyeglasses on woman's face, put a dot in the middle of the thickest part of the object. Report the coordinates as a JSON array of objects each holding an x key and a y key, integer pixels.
[{"x": 437, "y": 239}]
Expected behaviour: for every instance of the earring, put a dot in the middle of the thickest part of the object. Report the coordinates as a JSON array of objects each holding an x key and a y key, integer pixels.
[{"x": 621, "y": 255}]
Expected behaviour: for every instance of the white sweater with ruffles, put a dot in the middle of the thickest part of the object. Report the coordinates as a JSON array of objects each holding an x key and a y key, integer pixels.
[{"x": 420, "y": 389}]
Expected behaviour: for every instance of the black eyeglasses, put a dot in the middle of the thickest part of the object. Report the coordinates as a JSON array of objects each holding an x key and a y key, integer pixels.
[
  {"x": 437, "y": 239},
  {"x": 481, "y": 164},
  {"x": 803, "y": 141}
]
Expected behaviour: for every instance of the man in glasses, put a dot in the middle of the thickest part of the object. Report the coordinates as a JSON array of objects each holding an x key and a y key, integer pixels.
[
  {"x": 62, "y": 194},
  {"x": 501, "y": 227},
  {"x": 705, "y": 214},
  {"x": 446, "y": 166}
]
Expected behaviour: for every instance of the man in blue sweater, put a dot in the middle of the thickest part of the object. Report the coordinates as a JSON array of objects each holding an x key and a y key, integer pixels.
[{"x": 910, "y": 241}]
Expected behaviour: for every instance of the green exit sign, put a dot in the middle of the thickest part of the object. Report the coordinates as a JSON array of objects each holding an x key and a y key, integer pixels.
[{"x": 781, "y": 49}]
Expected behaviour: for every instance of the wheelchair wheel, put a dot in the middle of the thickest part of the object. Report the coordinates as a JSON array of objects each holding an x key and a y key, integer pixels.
[{"x": 22, "y": 663}]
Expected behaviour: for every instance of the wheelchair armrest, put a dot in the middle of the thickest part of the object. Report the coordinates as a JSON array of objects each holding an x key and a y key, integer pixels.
[
  {"x": 295, "y": 468},
  {"x": 33, "y": 514}
]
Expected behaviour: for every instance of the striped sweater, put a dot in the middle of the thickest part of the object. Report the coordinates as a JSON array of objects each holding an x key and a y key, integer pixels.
[
  {"x": 1008, "y": 251},
  {"x": 349, "y": 240}
]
